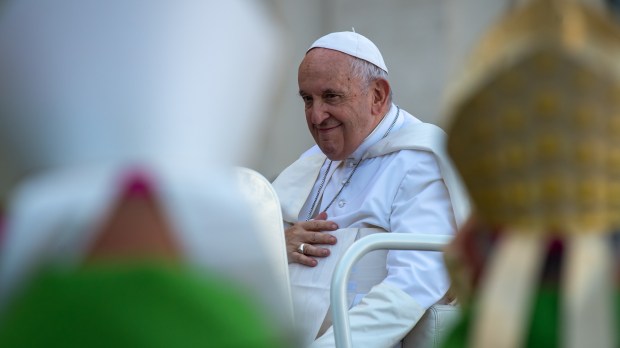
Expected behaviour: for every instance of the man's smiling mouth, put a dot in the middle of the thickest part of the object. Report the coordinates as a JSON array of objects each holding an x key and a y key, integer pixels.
[{"x": 327, "y": 129}]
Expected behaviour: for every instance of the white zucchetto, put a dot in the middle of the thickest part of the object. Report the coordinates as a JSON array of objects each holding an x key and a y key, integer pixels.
[{"x": 353, "y": 44}]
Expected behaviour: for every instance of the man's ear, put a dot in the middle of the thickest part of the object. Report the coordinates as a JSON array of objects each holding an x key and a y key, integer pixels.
[{"x": 380, "y": 96}]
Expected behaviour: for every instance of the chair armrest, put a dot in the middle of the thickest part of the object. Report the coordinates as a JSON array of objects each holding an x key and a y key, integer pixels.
[
  {"x": 340, "y": 278},
  {"x": 432, "y": 328}
]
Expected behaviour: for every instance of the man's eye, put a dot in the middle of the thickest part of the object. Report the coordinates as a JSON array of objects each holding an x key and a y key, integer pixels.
[
  {"x": 331, "y": 96},
  {"x": 307, "y": 100}
]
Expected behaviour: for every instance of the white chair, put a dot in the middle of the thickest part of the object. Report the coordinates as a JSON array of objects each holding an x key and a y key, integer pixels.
[
  {"x": 263, "y": 200},
  {"x": 433, "y": 327},
  {"x": 434, "y": 324}
]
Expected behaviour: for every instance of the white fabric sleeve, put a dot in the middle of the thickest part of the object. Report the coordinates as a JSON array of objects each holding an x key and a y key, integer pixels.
[
  {"x": 421, "y": 206},
  {"x": 376, "y": 321}
]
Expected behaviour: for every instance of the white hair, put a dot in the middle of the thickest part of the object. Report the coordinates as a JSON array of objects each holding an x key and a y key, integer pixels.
[{"x": 368, "y": 72}]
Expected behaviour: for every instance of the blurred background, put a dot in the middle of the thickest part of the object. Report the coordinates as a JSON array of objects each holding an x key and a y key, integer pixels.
[{"x": 424, "y": 44}]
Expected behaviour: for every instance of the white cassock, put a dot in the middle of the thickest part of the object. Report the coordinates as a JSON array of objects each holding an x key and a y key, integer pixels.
[{"x": 403, "y": 184}]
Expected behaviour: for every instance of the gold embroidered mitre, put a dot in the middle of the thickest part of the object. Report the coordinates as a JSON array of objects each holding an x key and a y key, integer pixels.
[{"x": 535, "y": 120}]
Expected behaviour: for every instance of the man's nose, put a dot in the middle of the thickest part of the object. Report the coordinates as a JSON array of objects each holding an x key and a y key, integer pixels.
[{"x": 318, "y": 113}]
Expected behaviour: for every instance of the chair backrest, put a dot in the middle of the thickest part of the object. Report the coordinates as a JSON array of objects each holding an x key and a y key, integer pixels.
[
  {"x": 265, "y": 209},
  {"x": 430, "y": 329}
]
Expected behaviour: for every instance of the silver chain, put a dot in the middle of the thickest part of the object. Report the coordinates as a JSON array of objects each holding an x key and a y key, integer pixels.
[{"x": 346, "y": 182}]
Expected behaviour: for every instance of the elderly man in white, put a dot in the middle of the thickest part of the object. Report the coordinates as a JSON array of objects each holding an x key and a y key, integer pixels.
[{"x": 375, "y": 168}]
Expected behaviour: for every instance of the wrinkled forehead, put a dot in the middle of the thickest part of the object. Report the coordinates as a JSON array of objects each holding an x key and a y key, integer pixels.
[
  {"x": 322, "y": 62},
  {"x": 326, "y": 56}
]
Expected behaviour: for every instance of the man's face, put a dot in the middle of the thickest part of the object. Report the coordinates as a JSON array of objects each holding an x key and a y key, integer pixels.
[{"x": 338, "y": 105}]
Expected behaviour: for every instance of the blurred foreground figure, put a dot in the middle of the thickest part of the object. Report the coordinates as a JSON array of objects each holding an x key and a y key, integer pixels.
[
  {"x": 535, "y": 134},
  {"x": 121, "y": 225}
]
